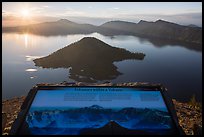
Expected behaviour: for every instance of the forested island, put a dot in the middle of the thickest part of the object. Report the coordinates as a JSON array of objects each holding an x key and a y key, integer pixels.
[{"x": 89, "y": 60}]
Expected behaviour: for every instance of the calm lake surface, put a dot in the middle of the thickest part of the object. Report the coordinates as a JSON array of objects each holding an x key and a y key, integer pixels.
[{"x": 178, "y": 68}]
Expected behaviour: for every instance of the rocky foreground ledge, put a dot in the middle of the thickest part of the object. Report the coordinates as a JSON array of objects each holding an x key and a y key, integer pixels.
[{"x": 189, "y": 114}]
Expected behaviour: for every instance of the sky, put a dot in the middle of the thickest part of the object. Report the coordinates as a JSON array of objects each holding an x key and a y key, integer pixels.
[{"x": 97, "y": 13}]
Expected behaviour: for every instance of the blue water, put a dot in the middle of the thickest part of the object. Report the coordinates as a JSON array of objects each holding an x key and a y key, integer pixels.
[{"x": 178, "y": 68}]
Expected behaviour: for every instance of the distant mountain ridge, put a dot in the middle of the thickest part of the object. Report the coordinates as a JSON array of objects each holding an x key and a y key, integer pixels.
[{"x": 158, "y": 29}]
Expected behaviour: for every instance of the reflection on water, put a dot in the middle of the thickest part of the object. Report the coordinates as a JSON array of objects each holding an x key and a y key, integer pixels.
[
  {"x": 33, "y": 77},
  {"x": 31, "y": 58},
  {"x": 26, "y": 40},
  {"x": 31, "y": 70},
  {"x": 162, "y": 43},
  {"x": 29, "y": 41},
  {"x": 176, "y": 65}
]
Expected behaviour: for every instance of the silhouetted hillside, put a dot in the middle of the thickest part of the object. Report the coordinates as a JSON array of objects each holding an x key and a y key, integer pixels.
[
  {"x": 90, "y": 59},
  {"x": 60, "y": 27},
  {"x": 158, "y": 29},
  {"x": 192, "y": 25},
  {"x": 125, "y": 28}
]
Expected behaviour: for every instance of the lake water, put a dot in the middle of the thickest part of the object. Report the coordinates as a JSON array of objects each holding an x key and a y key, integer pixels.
[{"x": 178, "y": 68}]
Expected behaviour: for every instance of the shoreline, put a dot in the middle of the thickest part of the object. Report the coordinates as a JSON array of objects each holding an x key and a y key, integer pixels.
[{"x": 188, "y": 115}]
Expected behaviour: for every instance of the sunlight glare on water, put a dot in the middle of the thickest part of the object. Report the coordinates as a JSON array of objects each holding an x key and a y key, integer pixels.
[{"x": 31, "y": 70}]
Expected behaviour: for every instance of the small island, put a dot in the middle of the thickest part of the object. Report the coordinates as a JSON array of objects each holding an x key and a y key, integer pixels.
[{"x": 90, "y": 60}]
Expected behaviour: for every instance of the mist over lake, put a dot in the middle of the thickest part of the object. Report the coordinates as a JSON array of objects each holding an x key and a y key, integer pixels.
[{"x": 177, "y": 66}]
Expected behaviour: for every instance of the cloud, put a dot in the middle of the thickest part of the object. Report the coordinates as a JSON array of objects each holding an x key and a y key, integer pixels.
[
  {"x": 4, "y": 13},
  {"x": 183, "y": 19},
  {"x": 13, "y": 20},
  {"x": 72, "y": 12},
  {"x": 89, "y": 20},
  {"x": 46, "y": 6},
  {"x": 116, "y": 8},
  {"x": 98, "y": 18}
]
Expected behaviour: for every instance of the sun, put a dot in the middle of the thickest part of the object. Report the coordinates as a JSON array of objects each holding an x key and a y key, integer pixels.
[{"x": 25, "y": 13}]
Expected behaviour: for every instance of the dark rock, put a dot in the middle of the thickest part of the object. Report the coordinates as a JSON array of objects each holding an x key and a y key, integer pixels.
[
  {"x": 197, "y": 130},
  {"x": 4, "y": 120}
]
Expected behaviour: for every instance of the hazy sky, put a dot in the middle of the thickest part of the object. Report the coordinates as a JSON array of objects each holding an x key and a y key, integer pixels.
[{"x": 100, "y": 12}]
